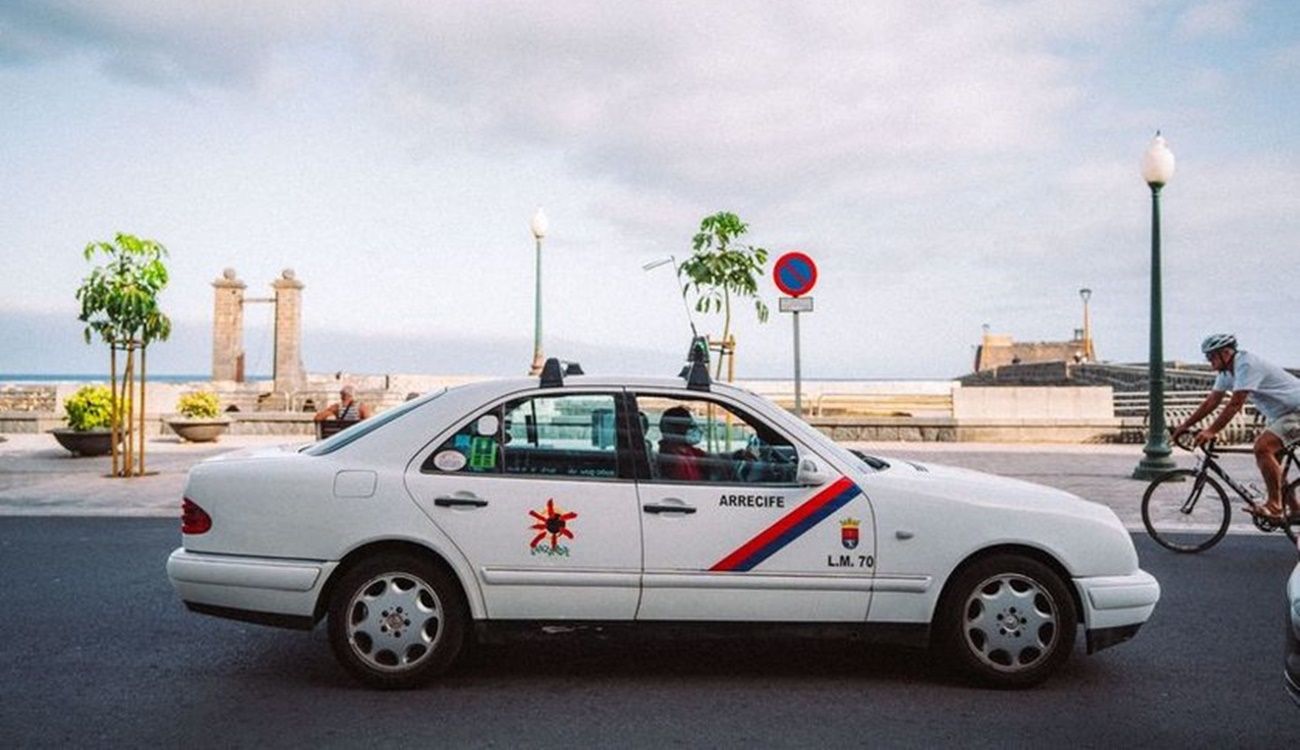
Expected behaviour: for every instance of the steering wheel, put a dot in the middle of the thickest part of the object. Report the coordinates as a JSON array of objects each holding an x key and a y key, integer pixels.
[{"x": 757, "y": 461}]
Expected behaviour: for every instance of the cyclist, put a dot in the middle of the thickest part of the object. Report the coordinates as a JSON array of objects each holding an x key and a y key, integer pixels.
[{"x": 1274, "y": 392}]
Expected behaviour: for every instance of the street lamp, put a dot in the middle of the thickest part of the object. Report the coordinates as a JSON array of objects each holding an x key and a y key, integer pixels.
[
  {"x": 1157, "y": 169},
  {"x": 539, "y": 225},
  {"x": 1085, "y": 294}
]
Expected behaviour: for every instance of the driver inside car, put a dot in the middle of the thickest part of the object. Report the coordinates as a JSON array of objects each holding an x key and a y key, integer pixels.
[{"x": 679, "y": 458}]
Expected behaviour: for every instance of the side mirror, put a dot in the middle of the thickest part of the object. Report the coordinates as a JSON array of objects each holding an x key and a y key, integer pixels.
[{"x": 810, "y": 474}]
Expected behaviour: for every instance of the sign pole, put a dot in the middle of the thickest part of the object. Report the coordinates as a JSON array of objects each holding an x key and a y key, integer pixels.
[
  {"x": 798, "y": 384},
  {"x": 795, "y": 274}
]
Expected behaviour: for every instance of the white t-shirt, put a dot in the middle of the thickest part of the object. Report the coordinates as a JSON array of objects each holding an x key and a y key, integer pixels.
[{"x": 1274, "y": 391}]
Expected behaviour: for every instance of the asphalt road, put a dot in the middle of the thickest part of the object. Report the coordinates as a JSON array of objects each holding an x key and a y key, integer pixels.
[{"x": 98, "y": 652}]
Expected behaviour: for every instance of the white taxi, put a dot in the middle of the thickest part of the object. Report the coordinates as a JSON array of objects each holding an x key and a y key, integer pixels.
[{"x": 583, "y": 500}]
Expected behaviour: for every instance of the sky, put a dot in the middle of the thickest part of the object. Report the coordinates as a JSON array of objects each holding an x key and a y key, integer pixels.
[{"x": 947, "y": 165}]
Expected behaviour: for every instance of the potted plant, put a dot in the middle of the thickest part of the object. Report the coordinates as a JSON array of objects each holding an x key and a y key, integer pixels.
[
  {"x": 89, "y": 414},
  {"x": 200, "y": 419},
  {"x": 119, "y": 301}
]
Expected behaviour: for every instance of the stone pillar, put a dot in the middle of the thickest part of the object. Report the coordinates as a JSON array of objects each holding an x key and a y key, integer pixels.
[
  {"x": 289, "y": 373},
  {"x": 228, "y": 327}
]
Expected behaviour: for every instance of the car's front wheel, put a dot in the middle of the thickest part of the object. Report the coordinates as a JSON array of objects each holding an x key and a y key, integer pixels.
[
  {"x": 396, "y": 621},
  {"x": 1007, "y": 621}
]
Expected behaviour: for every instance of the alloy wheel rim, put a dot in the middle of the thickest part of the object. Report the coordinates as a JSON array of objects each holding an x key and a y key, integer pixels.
[
  {"x": 394, "y": 622},
  {"x": 1010, "y": 622}
]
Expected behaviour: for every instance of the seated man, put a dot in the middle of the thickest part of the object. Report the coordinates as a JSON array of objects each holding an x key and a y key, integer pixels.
[
  {"x": 679, "y": 459},
  {"x": 348, "y": 409}
]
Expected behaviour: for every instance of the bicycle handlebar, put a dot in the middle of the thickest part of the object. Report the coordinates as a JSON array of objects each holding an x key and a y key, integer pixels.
[{"x": 1186, "y": 442}]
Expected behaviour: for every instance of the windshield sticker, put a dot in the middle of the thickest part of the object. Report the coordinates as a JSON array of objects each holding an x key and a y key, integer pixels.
[
  {"x": 482, "y": 453},
  {"x": 460, "y": 442},
  {"x": 449, "y": 461},
  {"x": 552, "y": 522},
  {"x": 487, "y": 424}
]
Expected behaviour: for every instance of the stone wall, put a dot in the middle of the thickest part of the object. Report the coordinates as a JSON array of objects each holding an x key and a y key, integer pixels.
[
  {"x": 959, "y": 413},
  {"x": 28, "y": 398},
  {"x": 997, "y": 351}
]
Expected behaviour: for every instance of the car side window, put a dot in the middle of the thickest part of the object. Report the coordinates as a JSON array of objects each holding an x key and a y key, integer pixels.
[
  {"x": 570, "y": 435},
  {"x": 705, "y": 442},
  {"x": 474, "y": 449}
]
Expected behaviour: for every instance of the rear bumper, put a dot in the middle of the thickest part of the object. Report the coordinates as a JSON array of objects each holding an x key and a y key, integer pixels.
[
  {"x": 1115, "y": 607},
  {"x": 254, "y": 589}
]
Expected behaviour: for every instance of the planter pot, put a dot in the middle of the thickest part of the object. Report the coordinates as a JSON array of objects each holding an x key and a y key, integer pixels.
[
  {"x": 85, "y": 443},
  {"x": 199, "y": 431}
]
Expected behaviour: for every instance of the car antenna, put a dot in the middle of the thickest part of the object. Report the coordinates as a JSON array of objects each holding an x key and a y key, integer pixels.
[{"x": 677, "y": 272}]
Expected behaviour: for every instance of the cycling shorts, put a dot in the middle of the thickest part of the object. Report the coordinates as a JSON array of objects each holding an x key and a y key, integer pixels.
[{"x": 1286, "y": 427}]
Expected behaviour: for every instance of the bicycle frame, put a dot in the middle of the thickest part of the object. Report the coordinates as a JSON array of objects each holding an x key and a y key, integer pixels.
[{"x": 1208, "y": 462}]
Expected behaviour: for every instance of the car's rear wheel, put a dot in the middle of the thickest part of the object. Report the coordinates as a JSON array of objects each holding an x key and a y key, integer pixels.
[
  {"x": 1007, "y": 621},
  {"x": 396, "y": 621}
]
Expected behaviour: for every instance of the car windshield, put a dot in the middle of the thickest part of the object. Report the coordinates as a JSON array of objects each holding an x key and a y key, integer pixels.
[
  {"x": 864, "y": 461},
  {"x": 365, "y": 427}
]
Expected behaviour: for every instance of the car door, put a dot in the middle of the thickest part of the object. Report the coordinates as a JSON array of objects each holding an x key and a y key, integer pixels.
[
  {"x": 731, "y": 532},
  {"x": 534, "y": 492}
]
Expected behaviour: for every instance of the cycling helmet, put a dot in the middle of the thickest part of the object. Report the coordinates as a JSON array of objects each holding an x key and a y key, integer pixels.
[{"x": 1217, "y": 341}]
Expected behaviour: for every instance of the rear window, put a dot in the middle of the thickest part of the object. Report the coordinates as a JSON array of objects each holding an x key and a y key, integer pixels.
[{"x": 365, "y": 427}]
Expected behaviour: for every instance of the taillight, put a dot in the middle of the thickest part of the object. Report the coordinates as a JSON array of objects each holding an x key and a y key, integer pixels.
[{"x": 194, "y": 520}]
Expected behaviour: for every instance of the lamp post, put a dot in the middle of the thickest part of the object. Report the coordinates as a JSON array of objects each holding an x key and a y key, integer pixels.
[
  {"x": 539, "y": 225},
  {"x": 1085, "y": 294},
  {"x": 1157, "y": 169}
]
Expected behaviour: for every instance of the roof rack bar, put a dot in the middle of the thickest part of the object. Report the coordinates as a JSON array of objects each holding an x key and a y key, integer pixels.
[
  {"x": 696, "y": 371},
  {"x": 552, "y": 375},
  {"x": 554, "y": 370}
]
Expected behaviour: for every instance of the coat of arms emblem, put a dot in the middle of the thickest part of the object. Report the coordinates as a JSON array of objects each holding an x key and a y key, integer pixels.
[{"x": 849, "y": 532}]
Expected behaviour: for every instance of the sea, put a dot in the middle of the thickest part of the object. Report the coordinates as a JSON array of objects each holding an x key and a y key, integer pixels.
[{"x": 100, "y": 377}]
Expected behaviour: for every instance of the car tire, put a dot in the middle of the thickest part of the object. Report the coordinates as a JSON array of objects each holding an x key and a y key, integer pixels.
[
  {"x": 1006, "y": 621},
  {"x": 396, "y": 621}
]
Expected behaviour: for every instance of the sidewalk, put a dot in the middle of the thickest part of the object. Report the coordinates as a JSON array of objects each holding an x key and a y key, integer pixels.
[{"x": 37, "y": 477}]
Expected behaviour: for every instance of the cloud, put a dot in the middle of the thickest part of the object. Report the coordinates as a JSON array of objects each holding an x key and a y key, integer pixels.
[
  {"x": 951, "y": 162},
  {"x": 171, "y": 45},
  {"x": 1285, "y": 59},
  {"x": 1216, "y": 18},
  {"x": 679, "y": 97}
]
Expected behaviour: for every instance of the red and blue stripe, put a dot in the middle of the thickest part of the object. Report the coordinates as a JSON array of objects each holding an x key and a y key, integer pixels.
[{"x": 790, "y": 526}]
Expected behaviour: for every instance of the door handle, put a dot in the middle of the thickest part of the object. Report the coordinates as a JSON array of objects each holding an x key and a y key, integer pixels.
[
  {"x": 652, "y": 508},
  {"x": 453, "y": 501}
]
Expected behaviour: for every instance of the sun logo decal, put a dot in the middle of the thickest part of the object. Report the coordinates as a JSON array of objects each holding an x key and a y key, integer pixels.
[{"x": 552, "y": 522}]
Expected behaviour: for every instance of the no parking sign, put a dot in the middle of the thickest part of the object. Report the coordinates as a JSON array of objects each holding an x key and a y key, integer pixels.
[{"x": 795, "y": 274}]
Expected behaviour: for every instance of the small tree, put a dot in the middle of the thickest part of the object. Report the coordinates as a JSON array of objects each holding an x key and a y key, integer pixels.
[
  {"x": 119, "y": 301},
  {"x": 721, "y": 268}
]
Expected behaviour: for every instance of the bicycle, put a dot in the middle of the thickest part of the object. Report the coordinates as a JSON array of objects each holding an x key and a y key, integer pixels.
[{"x": 1184, "y": 517}]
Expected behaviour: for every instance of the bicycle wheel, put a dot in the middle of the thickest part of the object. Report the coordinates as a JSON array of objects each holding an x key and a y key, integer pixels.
[
  {"x": 1186, "y": 511},
  {"x": 1292, "y": 524}
]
